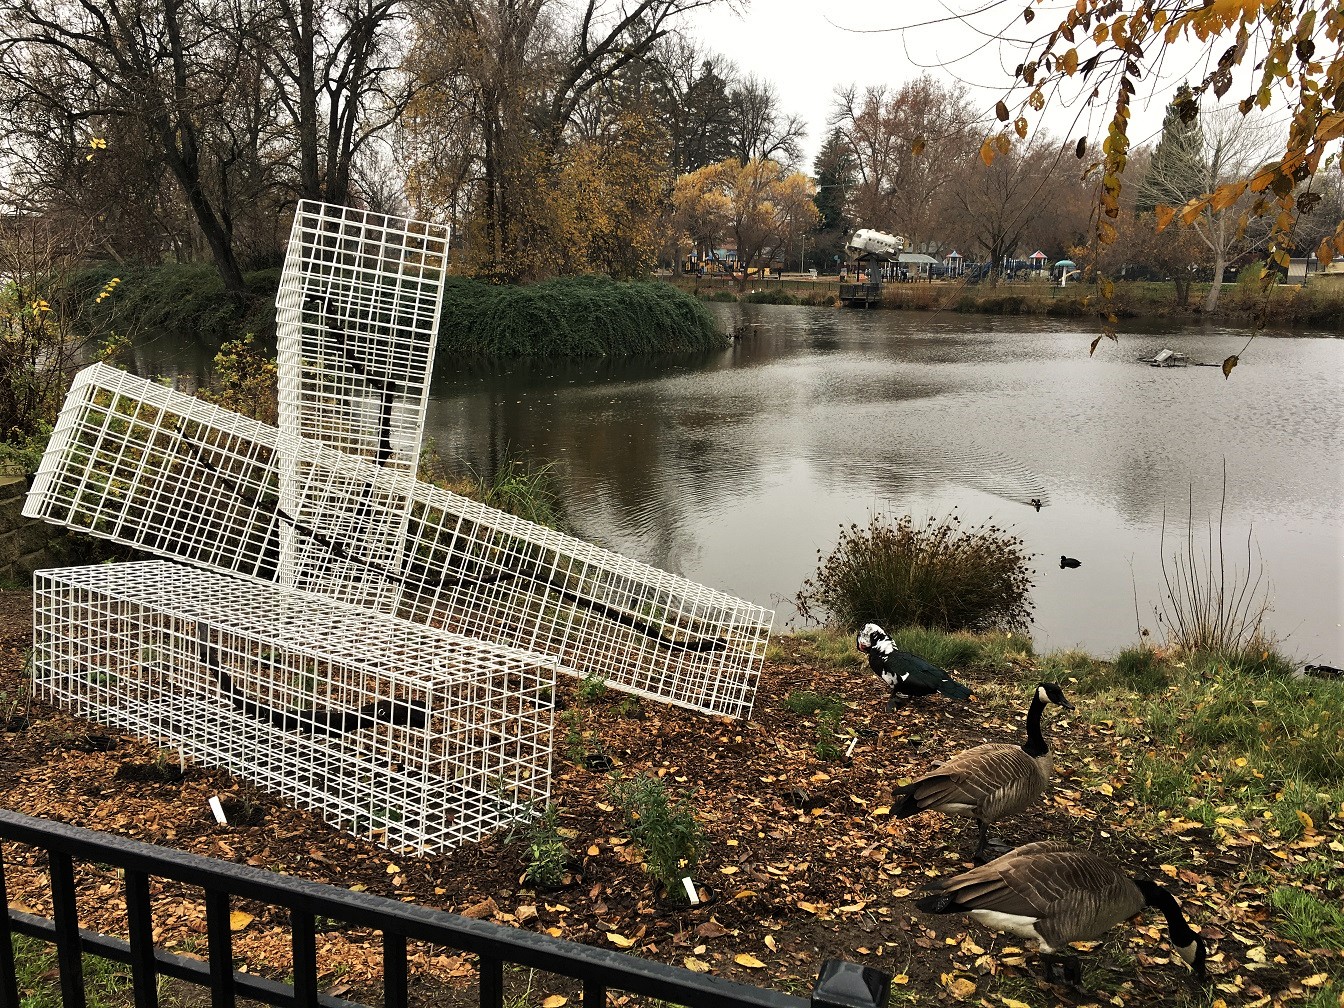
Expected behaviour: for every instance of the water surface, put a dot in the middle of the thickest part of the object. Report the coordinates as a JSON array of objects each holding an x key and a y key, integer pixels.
[{"x": 734, "y": 468}]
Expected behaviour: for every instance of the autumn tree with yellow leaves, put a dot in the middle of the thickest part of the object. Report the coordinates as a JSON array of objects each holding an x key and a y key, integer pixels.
[
  {"x": 758, "y": 204},
  {"x": 1267, "y": 53}
]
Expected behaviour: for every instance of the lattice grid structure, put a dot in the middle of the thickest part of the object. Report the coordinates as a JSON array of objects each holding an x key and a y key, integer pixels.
[
  {"x": 357, "y": 313},
  {"x": 411, "y": 736},
  {"x": 136, "y": 462}
]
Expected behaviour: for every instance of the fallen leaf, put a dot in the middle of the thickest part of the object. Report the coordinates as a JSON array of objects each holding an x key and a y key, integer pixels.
[
  {"x": 239, "y": 919},
  {"x": 696, "y": 965},
  {"x": 555, "y": 1001},
  {"x": 958, "y": 987},
  {"x": 746, "y": 959},
  {"x": 619, "y": 940},
  {"x": 771, "y": 944}
]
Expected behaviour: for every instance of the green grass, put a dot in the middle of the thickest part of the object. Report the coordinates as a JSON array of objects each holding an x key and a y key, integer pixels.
[
  {"x": 805, "y": 703},
  {"x": 1222, "y": 743},
  {"x": 1307, "y": 920},
  {"x": 106, "y": 983}
]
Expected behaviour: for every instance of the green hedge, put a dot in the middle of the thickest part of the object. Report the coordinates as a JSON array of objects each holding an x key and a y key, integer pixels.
[
  {"x": 186, "y": 298},
  {"x": 572, "y": 317}
]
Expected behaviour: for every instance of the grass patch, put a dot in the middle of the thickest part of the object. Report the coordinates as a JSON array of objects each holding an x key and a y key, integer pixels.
[
  {"x": 829, "y": 647},
  {"x": 1307, "y": 920},
  {"x": 935, "y": 575},
  {"x": 804, "y": 703},
  {"x": 1232, "y": 746},
  {"x": 770, "y": 297},
  {"x": 106, "y": 983}
]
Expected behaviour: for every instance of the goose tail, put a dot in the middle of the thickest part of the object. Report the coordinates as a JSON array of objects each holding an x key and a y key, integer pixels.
[{"x": 938, "y": 903}]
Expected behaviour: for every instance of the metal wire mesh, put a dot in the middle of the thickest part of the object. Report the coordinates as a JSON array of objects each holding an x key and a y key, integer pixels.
[
  {"x": 136, "y": 462},
  {"x": 356, "y": 317},
  {"x": 413, "y": 737}
]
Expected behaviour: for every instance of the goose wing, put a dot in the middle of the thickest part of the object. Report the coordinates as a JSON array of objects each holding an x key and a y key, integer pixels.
[
  {"x": 989, "y": 781},
  {"x": 1072, "y": 894}
]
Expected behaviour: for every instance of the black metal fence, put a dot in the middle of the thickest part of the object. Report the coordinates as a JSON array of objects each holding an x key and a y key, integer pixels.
[{"x": 840, "y": 984}]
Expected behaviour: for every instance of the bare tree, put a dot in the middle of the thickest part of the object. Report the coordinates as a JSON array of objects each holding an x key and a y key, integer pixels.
[
  {"x": 165, "y": 64},
  {"x": 1231, "y": 148},
  {"x": 758, "y": 127}
]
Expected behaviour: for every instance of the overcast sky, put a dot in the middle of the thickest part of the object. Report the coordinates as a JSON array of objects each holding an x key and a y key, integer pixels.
[{"x": 803, "y": 47}]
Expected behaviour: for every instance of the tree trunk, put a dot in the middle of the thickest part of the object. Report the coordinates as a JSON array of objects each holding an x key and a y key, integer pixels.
[{"x": 1219, "y": 265}]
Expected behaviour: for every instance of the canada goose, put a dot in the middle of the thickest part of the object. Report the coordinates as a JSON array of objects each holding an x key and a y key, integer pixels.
[
  {"x": 1067, "y": 561},
  {"x": 988, "y": 782},
  {"x": 904, "y": 672},
  {"x": 1055, "y": 894}
]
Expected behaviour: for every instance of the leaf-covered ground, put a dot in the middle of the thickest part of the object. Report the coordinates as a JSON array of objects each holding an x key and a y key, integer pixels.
[{"x": 803, "y": 861}]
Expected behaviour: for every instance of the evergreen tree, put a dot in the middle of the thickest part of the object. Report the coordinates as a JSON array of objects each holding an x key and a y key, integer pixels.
[
  {"x": 1177, "y": 171},
  {"x": 834, "y": 169}
]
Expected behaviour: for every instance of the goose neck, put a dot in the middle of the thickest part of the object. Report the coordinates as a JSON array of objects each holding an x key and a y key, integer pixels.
[
  {"x": 1157, "y": 897},
  {"x": 1035, "y": 744}
]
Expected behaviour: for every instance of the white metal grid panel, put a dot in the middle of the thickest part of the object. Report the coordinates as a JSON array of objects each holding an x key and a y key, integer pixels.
[
  {"x": 357, "y": 315},
  {"x": 413, "y": 737},
  {"x": 144, "y": 465}
]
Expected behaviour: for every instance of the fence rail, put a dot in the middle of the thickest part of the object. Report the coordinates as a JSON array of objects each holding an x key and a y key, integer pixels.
[{"x": 840, "y": 985}]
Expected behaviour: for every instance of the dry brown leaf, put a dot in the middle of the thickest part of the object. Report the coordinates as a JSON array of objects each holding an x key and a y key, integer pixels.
[{"x": 555, "y": 1001}]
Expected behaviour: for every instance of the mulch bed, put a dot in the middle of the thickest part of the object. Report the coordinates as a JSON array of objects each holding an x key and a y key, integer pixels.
[{"x": 803, "y": 862}]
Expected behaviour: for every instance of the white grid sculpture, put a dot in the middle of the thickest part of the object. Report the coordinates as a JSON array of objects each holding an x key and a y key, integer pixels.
[
  {"x": 411, "y": 736},
  {"x": 136, "y": 462},
  {"x": 356, "y": 319}
]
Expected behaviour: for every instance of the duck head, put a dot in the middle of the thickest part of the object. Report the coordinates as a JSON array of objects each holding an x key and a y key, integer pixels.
[{"x": 868, "y": 636}]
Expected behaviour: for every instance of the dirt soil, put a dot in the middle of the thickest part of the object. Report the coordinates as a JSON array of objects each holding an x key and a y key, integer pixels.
[{"x": 803, "y": 862}]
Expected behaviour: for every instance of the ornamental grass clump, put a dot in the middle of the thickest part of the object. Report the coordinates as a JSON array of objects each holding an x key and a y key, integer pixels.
[{"x": 937, "y": 575}]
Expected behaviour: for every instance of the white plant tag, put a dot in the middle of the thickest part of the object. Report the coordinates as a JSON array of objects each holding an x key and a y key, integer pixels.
[
  {"x": 852, "y": 743},
  {"x": 691, "y": 892},
  {"x": 218, "y": 810}
]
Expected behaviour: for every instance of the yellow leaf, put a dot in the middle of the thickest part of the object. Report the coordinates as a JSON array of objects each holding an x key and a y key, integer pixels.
[
  {"x": 696, "y": 965},
  {"x": 1315, "y": 980},
  {"x": 1013, "y": 1002},
  {"x": 1069, "y": 62},
  {"x": 987, "y": 152},
  {"x": 809, "y": 907},
  {"x": 1106, "y": 789},
  {"x": 771, "y": 944},
  {"x": 393, "y": 869},
  {"x": 1164, "y": 215},
  {"x": 239, "y": 919},
  {"x": 1020, "y": 127},
  {"x": 900, "y": 978},
  {"x": 555, "y": 1001},
  {"x": 728, "y": 870},
  {"x": 1306, "y": 821},
  {"x": 958, "y": 987},
  {"x": 746, "y": 959},
  {"x": 1228, "y": 365},
  {"x": 619, "y": 940}
]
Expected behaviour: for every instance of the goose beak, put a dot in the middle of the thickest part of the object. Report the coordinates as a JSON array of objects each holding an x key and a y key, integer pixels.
[{"x": 1067, "y": 706}]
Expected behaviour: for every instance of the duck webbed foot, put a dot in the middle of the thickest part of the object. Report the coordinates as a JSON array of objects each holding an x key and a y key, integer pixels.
[
  {"x": 987, "y": 850},
  {"x": 895, "y": 701}
]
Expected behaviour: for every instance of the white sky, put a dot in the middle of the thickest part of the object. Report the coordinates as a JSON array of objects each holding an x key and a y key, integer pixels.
[{"x": 802, "y": 47}]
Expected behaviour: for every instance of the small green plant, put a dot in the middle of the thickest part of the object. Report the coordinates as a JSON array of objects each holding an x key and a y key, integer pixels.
[
  {"x": 575, "y": 743},
  {"x": 936, "y": 575},
  {"x": 547, "y": 855},
  {"x": 630, "y": 707},
  {"x": 827, "y": 745},
  {"x": 668, "y": 831},
  {"x": 592, "y": 687}
]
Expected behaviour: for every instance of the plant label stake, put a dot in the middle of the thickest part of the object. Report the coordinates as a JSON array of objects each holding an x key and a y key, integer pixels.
[
  {"x": 218, "y": 810},
  {"x": 689, "y": 886}
]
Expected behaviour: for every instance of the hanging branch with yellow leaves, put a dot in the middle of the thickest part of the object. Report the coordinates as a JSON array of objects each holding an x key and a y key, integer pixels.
[{"x": 1287, "y": 53}]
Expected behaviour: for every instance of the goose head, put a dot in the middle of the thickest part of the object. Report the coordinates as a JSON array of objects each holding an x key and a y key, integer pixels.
[
  {"x": 1052, "y": 693},
  {"x": 868, "y": 636},
  {"x": 1196, "y": 956}
]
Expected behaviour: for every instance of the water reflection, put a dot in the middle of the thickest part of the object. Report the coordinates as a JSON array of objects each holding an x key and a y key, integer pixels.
[{"x": 735, "y": 467}]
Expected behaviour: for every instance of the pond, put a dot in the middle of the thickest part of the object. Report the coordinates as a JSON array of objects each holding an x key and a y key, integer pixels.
[{"x": 735, "y": 468}]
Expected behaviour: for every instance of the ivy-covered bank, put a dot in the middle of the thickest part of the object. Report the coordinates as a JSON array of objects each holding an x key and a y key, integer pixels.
[{"x": 570, "y": 316}]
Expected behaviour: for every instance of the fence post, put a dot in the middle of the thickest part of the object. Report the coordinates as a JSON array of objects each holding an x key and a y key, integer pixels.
[{"x": 843, "y": 984}]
